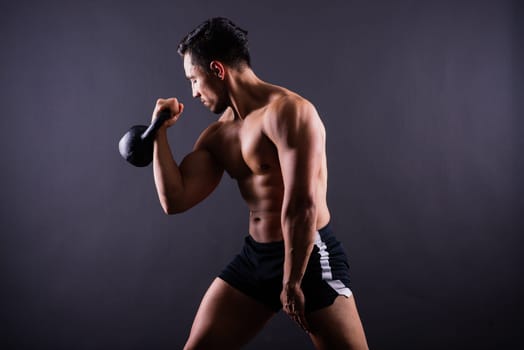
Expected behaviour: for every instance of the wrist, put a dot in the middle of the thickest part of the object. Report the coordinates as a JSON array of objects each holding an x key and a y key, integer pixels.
[
  {"x": 291, "y": 283},
  {"x": 161, "y": 132}
]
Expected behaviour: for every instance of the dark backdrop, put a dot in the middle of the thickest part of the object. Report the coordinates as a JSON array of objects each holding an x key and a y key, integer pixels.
[{"x": 422, "y": 102}]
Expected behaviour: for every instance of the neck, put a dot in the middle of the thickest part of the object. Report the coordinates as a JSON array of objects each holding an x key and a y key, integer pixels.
[{"x": 246, "y": 92}]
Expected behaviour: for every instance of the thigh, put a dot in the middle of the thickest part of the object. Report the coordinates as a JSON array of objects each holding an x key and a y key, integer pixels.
[
  {"x": 226, "y": 319},
  {"x": 337, "y": 326}
]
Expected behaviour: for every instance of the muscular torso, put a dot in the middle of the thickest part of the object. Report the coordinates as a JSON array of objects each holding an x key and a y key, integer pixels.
[{"x": 247, "y": 154}]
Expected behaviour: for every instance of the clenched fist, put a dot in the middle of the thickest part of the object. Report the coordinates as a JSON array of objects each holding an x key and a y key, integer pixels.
[{"x": 176, "y": 108}]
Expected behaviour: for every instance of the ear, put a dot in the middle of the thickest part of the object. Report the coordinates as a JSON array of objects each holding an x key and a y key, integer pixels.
[{"x": 218, "y": 69}]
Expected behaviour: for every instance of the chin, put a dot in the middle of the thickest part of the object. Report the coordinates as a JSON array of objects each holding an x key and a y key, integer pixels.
[{"x": 218, "y": 109}]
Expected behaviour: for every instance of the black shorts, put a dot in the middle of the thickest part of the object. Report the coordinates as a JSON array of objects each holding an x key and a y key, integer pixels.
[{"x": 258, "y": 271}]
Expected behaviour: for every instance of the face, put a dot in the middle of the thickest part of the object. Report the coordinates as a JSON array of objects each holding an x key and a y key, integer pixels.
[{"x": 206, "y": 86}]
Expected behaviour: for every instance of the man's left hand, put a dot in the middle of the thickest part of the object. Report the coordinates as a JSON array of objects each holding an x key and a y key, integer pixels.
[{"x": 293, "y": 302}]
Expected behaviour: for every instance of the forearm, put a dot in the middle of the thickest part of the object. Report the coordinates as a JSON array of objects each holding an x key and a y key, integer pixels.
[
  {"x": 298, "y": 226},
  {"x": 168, "y": 178}
]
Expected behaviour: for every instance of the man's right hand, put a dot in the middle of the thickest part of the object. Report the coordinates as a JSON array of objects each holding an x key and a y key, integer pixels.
[{"x": 172, "y": 105}]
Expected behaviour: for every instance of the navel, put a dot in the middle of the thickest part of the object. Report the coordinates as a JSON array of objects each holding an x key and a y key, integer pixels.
[{"x": 264, "y": 166}]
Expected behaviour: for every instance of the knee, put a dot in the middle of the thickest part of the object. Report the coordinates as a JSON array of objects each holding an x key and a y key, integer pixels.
[
  {"x": 339, "y": 344},
  {"x": 201, "y": 343},
  {"x": 192, "y": 344}
]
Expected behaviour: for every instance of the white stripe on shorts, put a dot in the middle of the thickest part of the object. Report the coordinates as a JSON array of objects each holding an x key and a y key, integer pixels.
[{"x": 327, "y": 276}]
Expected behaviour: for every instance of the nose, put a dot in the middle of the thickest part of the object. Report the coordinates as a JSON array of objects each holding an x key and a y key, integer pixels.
[{"x": 196, "y": 93}]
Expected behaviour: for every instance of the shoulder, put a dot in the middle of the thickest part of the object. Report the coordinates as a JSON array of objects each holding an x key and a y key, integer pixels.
[
  {"x": 290, "y": 114},
  {"x": 210, "y": 132},
  {"x": 291, "y": 104}
]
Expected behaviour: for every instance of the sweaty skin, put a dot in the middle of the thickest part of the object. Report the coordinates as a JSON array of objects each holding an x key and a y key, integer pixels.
[{"x": 272, "y": 142}]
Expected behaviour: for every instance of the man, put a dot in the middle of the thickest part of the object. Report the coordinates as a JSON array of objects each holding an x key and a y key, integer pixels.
[{"x": 272, "y": 142}]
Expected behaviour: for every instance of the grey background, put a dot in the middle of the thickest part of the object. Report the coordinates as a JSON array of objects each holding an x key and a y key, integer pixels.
[{"x": 422, "y": 101}]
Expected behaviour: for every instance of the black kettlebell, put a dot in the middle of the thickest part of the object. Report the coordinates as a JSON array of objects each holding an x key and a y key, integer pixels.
[{"x": 136, "y": 146}]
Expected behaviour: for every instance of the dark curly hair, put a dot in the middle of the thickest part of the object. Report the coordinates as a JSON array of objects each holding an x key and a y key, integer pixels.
[{"x": 216, "y": 39}]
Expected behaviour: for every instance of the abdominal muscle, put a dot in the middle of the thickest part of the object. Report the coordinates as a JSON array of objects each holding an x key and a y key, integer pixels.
[{"x": 264, "y": 199}]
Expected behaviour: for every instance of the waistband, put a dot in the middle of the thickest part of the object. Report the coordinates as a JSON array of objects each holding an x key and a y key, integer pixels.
[{"x": 271, "y": 246}]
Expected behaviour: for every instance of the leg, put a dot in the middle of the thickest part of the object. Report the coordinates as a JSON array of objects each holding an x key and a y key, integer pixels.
[
  {"x": 337, "y": 326},
  {"x": 226, "y": 319}
]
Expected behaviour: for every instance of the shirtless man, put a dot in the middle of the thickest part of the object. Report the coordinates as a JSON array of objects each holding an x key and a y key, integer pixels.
[{"x": 272, "y": 142}]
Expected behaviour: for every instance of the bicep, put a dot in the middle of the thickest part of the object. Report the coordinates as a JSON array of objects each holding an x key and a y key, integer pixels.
[{"x": 200, "y": 175}]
